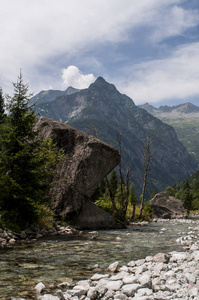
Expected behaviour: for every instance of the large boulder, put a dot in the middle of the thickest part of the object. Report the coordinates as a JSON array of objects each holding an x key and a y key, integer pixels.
[
  {"x": 168, "y": 207},
  {"x": 87, "y": 161}
]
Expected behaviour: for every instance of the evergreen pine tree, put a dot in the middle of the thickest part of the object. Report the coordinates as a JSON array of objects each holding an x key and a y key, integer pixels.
[
  {"x": 187, "y": 195},
  {"x": 24, "y": 161},
  {"x": 133, "y": 200},
  {"x": 195, "y": 190},
  {"x": 113, "y": 182},
  {"x": 2, "y": 107},
  {"x": 170, "y": 191}
]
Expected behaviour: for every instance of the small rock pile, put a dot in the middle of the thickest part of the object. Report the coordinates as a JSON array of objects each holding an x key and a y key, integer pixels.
[
  {"x": 8, "y": 238},
  {"x": 163, "y": 276}
]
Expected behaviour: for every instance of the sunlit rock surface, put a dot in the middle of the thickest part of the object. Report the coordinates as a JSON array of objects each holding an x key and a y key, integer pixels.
[
  {"x": 87, "y": 161},
  {"x": 168, "y": 207}
]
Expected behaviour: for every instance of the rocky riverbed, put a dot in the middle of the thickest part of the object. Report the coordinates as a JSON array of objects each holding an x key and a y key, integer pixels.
[
  {"x": 174, "y": 275},
  {"x": 8, "y": 238}
]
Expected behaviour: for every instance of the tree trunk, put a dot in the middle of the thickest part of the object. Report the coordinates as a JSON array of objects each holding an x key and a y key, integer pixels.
[{"x": 147, "y": 158}]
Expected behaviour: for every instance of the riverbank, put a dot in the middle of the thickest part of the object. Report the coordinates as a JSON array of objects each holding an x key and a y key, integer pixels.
[
  {"x": 164, "y": 276},
  {"x": 8, "y": 238}
]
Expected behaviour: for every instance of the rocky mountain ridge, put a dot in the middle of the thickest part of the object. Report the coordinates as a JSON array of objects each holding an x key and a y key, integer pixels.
[
  {"x": 185, "y": 108},
  {"x": 184, "y": 118},
  {"x": 103, "y": 111},
  {"x": 50, "y": 95}
]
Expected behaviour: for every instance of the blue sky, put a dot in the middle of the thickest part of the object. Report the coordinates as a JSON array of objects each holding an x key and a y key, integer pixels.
[{"x": 148, "y": 48}]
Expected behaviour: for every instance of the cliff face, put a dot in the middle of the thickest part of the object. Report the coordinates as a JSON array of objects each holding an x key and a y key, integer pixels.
[
  {"x": 103, "y": 111},
  {"x": 87, "y": 161}
]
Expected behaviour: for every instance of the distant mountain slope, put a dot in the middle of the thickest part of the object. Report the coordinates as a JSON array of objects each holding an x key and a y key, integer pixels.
[
  {"x": 184, "y": 118},
  {"x": 171, "y": 111},
  {"x": 102, "y": 110},
  {"x": 48, "y": 96}
]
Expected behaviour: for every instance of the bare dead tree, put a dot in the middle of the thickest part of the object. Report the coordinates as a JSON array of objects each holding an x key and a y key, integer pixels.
[
  {"x": 147, "y": 156},
  {"x": 124, "y": 196}
]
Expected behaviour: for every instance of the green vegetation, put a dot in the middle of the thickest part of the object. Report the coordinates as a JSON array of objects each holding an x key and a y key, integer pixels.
[
  {"x": 2, "y": 104},
  {"x": 187, "y": 191},
  {"x": 108, "y": 197},
  {"x": 184, "y": 118},
  {"x": 26, "y": 163},
  {"x": 188, "y": 133}
]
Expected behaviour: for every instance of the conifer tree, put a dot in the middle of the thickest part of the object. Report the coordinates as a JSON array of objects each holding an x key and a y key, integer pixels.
[
  {"x": 112, "y": 185},
  {"x": 2, "y": 107},
  {"x": 25, "y": 161},
  {"x": 133, "y": 200},
  {"x": 187, "y": 195},
  {"x": 2, "y": 114}
]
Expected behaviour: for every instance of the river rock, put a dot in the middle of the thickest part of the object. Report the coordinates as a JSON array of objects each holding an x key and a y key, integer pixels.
[
  {"x": 161, "y": 257},
  {"x": 114, "y": 285},
  {"x": 39, "y": 288},
  {"x": 48, "y": 297},
  {"x": 92, "y": 293},
  {"x": 87, "y": 161},
  {"x": 168, "y": 207},
  {"x": 130, "y": 289},
  {"x": 114, "y": 267},
  {"x": 164, "y": 276}
]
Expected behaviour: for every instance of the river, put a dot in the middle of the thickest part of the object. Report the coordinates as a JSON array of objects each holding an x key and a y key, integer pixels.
[{"x": 53, "y": 260}]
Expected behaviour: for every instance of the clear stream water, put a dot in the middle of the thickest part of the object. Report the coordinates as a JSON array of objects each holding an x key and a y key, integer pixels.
[{"x": 53, "y": 260}]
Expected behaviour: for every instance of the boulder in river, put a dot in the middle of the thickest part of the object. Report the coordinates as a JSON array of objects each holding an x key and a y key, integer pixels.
[
  {"x": 87, "y": 161},
  {"x": 168, "y": 207}
]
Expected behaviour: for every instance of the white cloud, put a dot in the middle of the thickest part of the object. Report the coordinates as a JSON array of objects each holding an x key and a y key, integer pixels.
[
  {"x": 170, "y": 78},
  {"x": 171, "y": 21},
  {"x": 37, "y": 35},
  {"x": 73, "y": 77}
]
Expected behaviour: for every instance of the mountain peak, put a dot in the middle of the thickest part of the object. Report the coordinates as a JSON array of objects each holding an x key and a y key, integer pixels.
[
  {"x": 148, "y": 107},
  {"x": 71, "y": 90},
  {"x": 100, "y": 79},
  {"x": 101, "y": 83},
  {"x": 187, "y": 108}
]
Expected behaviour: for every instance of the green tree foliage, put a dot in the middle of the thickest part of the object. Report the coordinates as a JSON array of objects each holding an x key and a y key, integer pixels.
[
  {"x": 133, "y": 200},
  {"x": 26, "y": 162},
  {"x": 2, "y": 112},
  {"x": 170, "y": 191},
  {"x": 153, "y": 194},
  {"x": 187, "y": 191},
  {"x": 2, "y": 106},
  {"x": 195, "y": 195},
  {"x": 113, "y": 182},
  {"x": 111, "y": 199},
  {"x": 111, "y": 190},
  {"x": 187, "y": 195}
]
